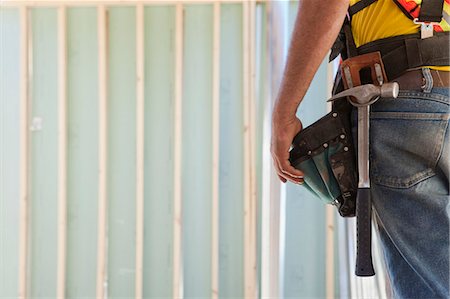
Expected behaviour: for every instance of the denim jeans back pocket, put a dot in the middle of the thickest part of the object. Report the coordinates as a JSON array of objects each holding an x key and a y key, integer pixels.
[{"x": 405, "y": 146}]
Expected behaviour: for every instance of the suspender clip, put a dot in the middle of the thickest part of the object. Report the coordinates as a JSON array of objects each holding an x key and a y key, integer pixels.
[{"x": 426, "y": 28}]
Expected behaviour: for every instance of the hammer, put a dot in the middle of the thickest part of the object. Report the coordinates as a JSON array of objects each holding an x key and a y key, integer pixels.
[{"x": 362, "y": 97}]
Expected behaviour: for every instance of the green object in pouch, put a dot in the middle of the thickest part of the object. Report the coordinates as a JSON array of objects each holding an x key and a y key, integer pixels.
[{"x": 324, "y": 153}]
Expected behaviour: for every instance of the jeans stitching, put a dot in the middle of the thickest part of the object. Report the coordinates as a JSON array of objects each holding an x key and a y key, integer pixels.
[
  {"x": 404, "y": 183},
  {"x": 427, "y": 96},
  {"x": 410, "y": 115}
]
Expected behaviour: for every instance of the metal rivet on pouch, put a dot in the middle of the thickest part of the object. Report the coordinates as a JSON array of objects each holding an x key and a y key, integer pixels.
[
  {"x": 325, "y": 145},
  {"x": 309, "y": 152},
  {"x": 346, "y": 149},
  {"x": 334, "y": 114},
  {"x": 342, "y": 136}
]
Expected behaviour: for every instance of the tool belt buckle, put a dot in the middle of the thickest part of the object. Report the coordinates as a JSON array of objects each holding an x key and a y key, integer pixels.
[
  {"x": 426, "y": 28},
  {"x": 353, "y": 68}
]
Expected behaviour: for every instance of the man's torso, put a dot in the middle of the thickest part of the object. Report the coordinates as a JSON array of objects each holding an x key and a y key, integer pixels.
[{"x": 384, "y": 19}]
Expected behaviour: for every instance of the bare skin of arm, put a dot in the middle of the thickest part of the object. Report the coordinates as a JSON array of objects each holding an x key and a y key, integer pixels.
[{"x": 316, "y": 27}]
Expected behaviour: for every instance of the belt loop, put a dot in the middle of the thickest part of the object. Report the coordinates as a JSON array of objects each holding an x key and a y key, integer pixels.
[{"x": 428, "y": 86}]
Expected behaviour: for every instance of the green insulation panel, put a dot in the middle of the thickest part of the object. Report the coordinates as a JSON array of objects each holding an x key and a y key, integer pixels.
[
  {"x": 43, "y": 151},
  {"x": 82, "y": 155},
  {"x": 197, "y": 150},
  {"x": 159, "y": 81},
  {"x": 9, "y": 150},
  {"x": 121, "y": 152},
  {"x": 261, "y": 91},
  {"x": 231, "y": 177}
]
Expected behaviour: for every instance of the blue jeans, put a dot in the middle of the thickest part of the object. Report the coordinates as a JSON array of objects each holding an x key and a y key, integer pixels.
[{"x": 409, "y": 170}]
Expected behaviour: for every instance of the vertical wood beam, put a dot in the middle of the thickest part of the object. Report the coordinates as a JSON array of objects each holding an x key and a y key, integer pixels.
[
  {"x": 139, "y": 149},
  {"x": 273, "y": 191},
  {"x": 215, "y": 153},
  {"x": 62, "y": 153},
  {"x": 266, "y": 175},
  {"x": 102, "y": 151},
  {"x": 329, "y": 247},
  {"x": 330, "y": 215},
  {"x": 250, "y": 284},
  {"x": 177, "y": 250},
  {"x": 24, "y": 157}
]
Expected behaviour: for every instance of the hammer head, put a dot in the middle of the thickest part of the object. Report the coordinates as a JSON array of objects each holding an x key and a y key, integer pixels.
[
  {"x": 364, "y": 94},
  {"x": 389, "y": 90}
]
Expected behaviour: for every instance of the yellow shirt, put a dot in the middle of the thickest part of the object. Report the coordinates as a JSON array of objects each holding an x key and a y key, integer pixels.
[{"x": 384, "y": 19}]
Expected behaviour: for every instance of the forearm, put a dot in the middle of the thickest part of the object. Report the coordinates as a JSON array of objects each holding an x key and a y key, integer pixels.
[{"x": 316, "y": 28}]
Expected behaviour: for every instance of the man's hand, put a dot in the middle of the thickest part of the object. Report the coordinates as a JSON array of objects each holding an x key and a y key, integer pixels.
[
  {"x": 283, "y": 132},
  {"x": 316, "y": 27}
]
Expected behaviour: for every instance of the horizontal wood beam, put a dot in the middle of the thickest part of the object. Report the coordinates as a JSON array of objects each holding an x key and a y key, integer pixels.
[{"x": 113, "y": 2}]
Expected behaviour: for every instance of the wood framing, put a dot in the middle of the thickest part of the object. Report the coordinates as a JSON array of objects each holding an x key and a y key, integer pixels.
[
  {"x": 62, "y": 154},
  {"x": 102, "y": 151},
  {"x": 250, "y": 277},
  {"x": 140, "y": 124},
  {"x": 24, "y": 148},
  {"x": 215, "y": 153},
  {"x": 177, "y": 217},
  {"x": 114, "y": 2}
]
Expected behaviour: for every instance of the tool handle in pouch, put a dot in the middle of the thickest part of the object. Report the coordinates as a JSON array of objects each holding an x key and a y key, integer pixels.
[{"x": 364, "y": 265}]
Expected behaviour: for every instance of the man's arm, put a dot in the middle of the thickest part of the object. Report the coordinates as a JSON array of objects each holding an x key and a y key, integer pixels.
[{"x": 316, "y": 28}]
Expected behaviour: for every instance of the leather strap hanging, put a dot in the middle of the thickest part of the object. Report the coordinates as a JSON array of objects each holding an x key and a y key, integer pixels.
[{"x": 431, "y": 11}]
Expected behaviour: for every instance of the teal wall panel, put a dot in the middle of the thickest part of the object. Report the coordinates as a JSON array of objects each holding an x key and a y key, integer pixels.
[
  {"x": 82, "y": 152},
  {"x": 121, "y": 152},
  {"x": 304, "y": 275},
  {"x": 261, "y": 90},
  {"x": 159, "y": 143},
  {"x": 44, "y": 150},
  {"x": 304, "y": 265},
  {"x": 231, "y": 178},
  {"x": 197, "y": 150},
  {"x": 9, "y": 150}
]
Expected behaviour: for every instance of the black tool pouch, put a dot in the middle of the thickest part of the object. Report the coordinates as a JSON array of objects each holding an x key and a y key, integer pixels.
[{"x": 324, "y": 152}]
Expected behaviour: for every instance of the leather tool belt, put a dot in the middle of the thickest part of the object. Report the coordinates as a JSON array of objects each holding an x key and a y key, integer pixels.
[
  {"x": 406, "y": 52},
  {"x": 402, "y": 56},
  {"x": 414, "y": 80}
]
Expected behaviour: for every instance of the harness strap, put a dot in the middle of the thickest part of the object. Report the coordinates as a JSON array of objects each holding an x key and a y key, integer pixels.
[
  {"x": 350, "y": 44},
  {"x": 344, "y": 43},
  {"x": 402, "y": 53},
  {"x": 358, "y": 6},
  {"x": 431, "y": 11}
]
